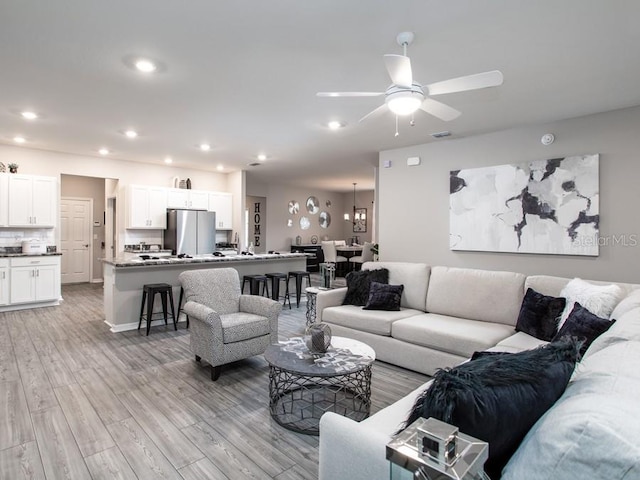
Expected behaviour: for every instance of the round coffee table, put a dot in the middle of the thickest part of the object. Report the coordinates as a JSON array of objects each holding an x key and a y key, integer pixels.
[{"x": 303, "y": 386}]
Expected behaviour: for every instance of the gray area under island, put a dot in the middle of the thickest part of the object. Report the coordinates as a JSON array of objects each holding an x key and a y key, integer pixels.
[{"x": 124, "y": 279}]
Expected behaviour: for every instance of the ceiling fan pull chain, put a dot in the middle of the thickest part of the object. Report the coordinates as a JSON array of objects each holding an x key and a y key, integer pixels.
[{"x": 397, "y": 134}]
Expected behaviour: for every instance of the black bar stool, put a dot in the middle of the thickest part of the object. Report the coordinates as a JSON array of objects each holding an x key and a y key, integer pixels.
[
  {"x": 255, "y": 281},
  {"x": 276, "y": 277},
  {"x": 180, "y": 307},
  {"x": 148, "y": 296},
  {"x": 299, "y": 275}
]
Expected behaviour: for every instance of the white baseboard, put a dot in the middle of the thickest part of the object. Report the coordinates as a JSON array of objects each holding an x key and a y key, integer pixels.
[
  {"x": 124, "y": 327},
  {"x": 97, "y": 280},
  {"x": 26, "y": 306}
]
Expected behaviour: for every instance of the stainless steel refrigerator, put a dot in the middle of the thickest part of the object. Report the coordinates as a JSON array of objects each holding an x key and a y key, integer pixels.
[{"x": 190, "y": 232}]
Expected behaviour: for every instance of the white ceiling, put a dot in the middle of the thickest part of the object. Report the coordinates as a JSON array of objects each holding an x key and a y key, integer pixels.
[{"x": 243, "y": 75}]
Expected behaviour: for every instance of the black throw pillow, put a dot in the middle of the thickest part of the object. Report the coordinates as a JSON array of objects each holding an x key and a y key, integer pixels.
[
  {"x": 498, "y": 398},
  {"x": 358, "y": 284},
  {"x": 539, "y": 315},
  {"x": 384, "y": 297},
  {"x": 583, "y": 325}
]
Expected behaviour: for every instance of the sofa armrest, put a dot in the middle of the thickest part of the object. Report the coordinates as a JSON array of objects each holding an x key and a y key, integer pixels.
[
  {"x": 329, "y": 298},
  {"x": 263, "y": 306},
  {"x": 351, "y": 450}
]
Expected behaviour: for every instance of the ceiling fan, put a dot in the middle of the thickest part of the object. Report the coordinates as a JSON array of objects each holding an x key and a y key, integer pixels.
[{"x": 405, "y": 96}]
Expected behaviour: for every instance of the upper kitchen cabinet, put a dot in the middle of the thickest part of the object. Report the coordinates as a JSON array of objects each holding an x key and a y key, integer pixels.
[
  {"x": 146, "y": 207},
  {"x": 222, "y": 204},
  {"x": 187, "y": 199},
  {"x": 32, "y": 201},
  {"x": 4, "y": 200}
]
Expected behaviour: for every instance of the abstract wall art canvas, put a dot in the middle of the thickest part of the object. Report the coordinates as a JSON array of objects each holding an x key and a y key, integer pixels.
[{"x": 546, "y": 206}]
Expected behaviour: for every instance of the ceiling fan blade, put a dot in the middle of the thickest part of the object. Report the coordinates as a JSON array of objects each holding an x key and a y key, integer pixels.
[
  {"x": 349, "y": 94},
  {"x": 439, "y": 110},
  {"x": 470, "y": 82},
  {"x": 399, "y": 68},
  {"x": 375, "y": 112}
]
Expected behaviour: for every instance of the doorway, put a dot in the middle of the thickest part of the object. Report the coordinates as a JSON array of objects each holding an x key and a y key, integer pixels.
[{"x": 76, "y": 220}]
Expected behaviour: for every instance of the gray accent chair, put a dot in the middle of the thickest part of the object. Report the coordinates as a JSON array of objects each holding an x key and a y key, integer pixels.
[{"x": 226, "y": 326}]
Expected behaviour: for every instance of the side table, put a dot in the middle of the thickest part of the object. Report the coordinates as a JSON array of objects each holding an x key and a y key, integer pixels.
[{"x": 312, "y": 293}]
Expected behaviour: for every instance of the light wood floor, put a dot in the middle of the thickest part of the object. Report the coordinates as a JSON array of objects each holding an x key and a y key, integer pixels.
[{"x": 79, "y": 402}]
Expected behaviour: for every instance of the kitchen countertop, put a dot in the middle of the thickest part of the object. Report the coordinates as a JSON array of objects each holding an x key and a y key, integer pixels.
[
  {"x": 12, "y": 255},
  {"x": 165, "y": 261}
]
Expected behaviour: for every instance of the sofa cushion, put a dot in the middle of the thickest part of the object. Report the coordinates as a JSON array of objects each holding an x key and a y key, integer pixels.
[
  {"x": 550, "y": 285},
  {"x": 476, "y": 294},
  {"x": 539, "y": 314},
  {"x": 598, "y": 299},
  {"x": 627, "y": 304},
  {"x": 384, "y": 297},
  {"x": 414, "y": 277},
  {"x": 243, "y": 326},
  {"x": 498, "y": 398},
  {"x": 592, "y": 431},
  {"x": 518, "y": 342},
  {"x": 359, "y": 284},
  {"x": 372, "y": 321},
  {"x": 449, "y": 334},
  {"x": 584, "y": 325}
]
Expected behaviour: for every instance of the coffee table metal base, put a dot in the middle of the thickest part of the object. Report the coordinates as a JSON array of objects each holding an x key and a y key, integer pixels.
[{"x": 298, "y": 401}]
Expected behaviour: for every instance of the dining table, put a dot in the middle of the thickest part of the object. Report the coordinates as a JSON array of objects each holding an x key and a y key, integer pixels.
[{"x": 349, "y": 251}]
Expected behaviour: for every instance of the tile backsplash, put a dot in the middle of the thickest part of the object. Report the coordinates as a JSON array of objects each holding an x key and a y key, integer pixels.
[{"x": 13, "y": 237}]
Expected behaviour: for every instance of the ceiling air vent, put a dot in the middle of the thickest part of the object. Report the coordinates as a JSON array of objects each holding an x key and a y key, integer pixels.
[
  {"x": 446, "y": 133},
  {"x": 254, "y": 164}
]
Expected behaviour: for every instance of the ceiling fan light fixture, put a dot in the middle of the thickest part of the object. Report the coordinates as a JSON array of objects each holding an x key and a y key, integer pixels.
[{"x": 404, "y": 103}]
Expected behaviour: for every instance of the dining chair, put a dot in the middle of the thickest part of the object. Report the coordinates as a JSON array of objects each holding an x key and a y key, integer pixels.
[{"x": 367, "y": 256}]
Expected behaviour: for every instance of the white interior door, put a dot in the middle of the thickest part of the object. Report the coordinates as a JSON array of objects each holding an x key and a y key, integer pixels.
[{"x": 76, "y": 218}]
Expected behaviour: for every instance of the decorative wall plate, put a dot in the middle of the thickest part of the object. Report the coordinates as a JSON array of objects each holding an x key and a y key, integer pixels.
[
  {"x": 325, "y": 219},
  {"x": 304, "y": 223},
  {"x": 313, "y": 205},
  {"x": 294, "y": 207}
]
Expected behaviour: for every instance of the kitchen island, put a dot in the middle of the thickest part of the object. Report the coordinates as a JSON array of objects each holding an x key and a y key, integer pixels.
[{"x": 124, "y": 279}]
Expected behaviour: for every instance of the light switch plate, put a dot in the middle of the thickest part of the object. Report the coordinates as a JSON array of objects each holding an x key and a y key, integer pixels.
[
  {"x": 413, "y": 161},
  {"x": 386, "y": 164}
]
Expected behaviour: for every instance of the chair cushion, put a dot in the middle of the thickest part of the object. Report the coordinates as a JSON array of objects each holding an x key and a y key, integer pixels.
[
  {"x": 373, "y": 321},
  {"x": 243, "y": 326},
  {"x": 459, "y": 336}
]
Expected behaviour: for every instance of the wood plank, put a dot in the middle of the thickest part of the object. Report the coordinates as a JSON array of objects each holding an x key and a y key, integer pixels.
[
  {"x": 176, "y": 411},
  {"x": 202, "y": 470},
  {"x": 91, "y": 435},
  {"x": 103, "y": 400},
  {"x": 144, "y": 457},
  {"x": 8, "y": 365},
  {"x": 14, "y": 416},
  {"x": 61, "y": 457},
  {"x": 117, "y": 381},
  {"x": 169, "y": 439},
  {"x": 109, "y": 464},
  {"x": 21, "y": 462},
  {"x": 226, "y": 456}
]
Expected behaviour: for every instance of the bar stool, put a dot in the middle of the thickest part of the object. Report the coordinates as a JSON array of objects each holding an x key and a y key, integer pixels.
[
  {"x": 180, "y": 307},
  {"x": 299, "y": 275},
  {"x": 148, "y": 296},
  {"x": 254, "y": 284},
  {"x": 276, "y": 277}
]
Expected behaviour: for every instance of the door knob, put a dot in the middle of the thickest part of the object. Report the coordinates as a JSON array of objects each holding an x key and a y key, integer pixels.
[{"x": 86, "y": 246}]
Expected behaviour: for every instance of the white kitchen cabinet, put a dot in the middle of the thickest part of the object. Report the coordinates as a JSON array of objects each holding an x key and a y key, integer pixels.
[
  {"x": 32, "y": 201},
  {"x": 222, "y": 204},
  {"x": 4, "y": 200},
  {"x": 147, "y": 207},
  {"x": 34, "y": 279},
  {"x": 4, "y": 281},
  {"x": 188, "y": 199}
]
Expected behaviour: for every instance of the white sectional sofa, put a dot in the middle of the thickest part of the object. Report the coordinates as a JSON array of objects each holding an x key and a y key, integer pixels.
[{"x": 446, "y": 315}]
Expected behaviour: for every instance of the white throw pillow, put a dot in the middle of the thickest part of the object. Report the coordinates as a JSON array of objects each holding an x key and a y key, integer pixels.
[
  {"x": 598, "y": 299},
  {"x": 627, "y": 304}
]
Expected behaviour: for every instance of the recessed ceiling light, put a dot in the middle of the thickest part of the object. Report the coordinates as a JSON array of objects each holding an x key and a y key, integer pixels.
[
  {"x": 168, "y": 160},
  {"x": 205, "y": 147},
  {"x": 146, "y": 66},
  {"x": 262, "y": 157},
  {"x": 19, "y": 139},
  {"x": 335, "y": 125},
  {"x": 220, "y": 168},
  {"x": 29, "y": 115},
  {"x": 104, "y": 151},
  {"x": 131, "y": 133}
]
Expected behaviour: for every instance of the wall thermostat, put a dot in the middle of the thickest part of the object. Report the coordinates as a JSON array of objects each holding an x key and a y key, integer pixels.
[{"x": 547, "y": 139}]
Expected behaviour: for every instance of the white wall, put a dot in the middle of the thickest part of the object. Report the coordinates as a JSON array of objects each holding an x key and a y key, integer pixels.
[{"x": 413, "y": 202}]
